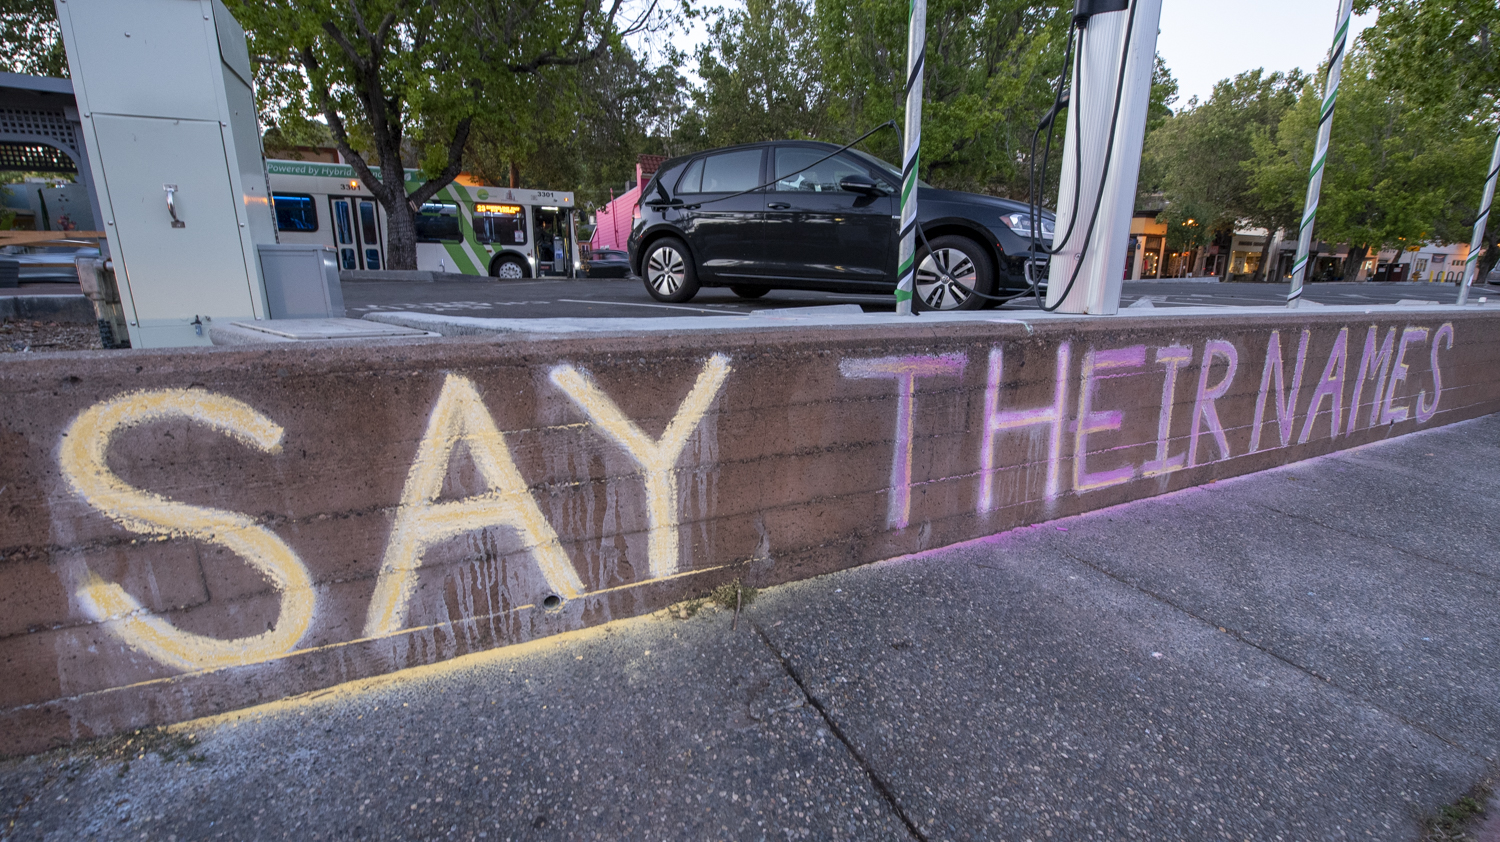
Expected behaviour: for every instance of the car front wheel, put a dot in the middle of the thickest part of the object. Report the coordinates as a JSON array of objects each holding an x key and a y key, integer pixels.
[
  {"x": 950, "y": 274},
  {"x": 668, "y": 271}
]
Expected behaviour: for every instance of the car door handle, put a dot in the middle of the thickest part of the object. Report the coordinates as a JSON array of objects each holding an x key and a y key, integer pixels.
[{"x": 779, "y": 205}]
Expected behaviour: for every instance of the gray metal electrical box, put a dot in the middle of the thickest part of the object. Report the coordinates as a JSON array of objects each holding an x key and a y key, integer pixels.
[
  {"x": 164, "y": 90},
  {"x": 302, "y": 281}
]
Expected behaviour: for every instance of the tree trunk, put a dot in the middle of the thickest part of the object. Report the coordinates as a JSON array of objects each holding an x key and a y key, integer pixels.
[
  {"x": 400, "y": 235},
  {"x": 1352, "y": 262},
  {"x": 515, "y": 176}
]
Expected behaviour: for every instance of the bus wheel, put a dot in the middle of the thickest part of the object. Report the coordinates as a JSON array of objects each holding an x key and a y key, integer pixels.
[{"x": 508, "y": 269}]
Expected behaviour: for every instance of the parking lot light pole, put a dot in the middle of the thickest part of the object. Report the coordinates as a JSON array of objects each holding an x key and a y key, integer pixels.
[
  {"x": 1471, "y": 267},
  {"x": 911, "y": 154},
  {"x": 1320, "y": 156}
]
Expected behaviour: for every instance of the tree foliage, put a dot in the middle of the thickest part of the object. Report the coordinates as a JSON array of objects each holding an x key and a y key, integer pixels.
[
  {"x": 399, "y": 80},
  {"x": 1391, "y": 180},
  {"x": 30, "y": 42},
  {"x": 833, "y": 69},
  {"x": 1443, "y": 56}
]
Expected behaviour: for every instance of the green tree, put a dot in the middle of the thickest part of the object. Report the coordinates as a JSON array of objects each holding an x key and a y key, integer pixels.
[
  {"x": 30, "y": 41},
  {"x": 762, "y": 76},
  {"x": 586, "y": 127},
  {"x": 399, "y": 80},
  {"x": 1442, "y": 55},
  {"x": 1391, "y": 179},
  {"x": 1198, "y": 157}
]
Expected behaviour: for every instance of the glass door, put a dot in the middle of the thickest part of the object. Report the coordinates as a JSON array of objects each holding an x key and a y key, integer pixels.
[
  {"x": 553, "y": 237},
  {"x": 356, "y": 233},
  {"x": 343, "y": 234}
]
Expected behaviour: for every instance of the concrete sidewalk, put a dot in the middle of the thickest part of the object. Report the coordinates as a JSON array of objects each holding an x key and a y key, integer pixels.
[{"x": 1307, "y": 653}]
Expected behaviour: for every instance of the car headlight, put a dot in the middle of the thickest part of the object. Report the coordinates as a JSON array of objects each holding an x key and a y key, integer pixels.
[{"x": 1020, "y": 224}]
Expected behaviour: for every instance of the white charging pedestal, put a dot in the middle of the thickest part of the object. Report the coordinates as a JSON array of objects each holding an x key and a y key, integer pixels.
[
  {"x": 1097, "y": 289},
  {"x": 164, "y": 88}
]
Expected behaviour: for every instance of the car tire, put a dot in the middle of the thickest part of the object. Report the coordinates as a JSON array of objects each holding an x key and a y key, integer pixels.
[
  {"x": 668, "y": 271},
  {"x": 749, "y": 292},
  {"x": 509, "y": 268},
  {"x": 968, "y": 269}
]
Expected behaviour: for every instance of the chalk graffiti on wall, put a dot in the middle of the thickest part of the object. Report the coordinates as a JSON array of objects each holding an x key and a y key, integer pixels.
[
  {"x": 905, "y": 371},
  {"x": 1060, "y": 422},
  {"x": 82, "y": 456},
  {"x": 1218, "y": 367},
  {"x": 459, "y": 418}
]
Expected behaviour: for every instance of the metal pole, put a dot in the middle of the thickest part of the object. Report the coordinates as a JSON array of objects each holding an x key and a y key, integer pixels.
[
  {"x": 1320, "y": 156},
  {"x": 1471, "y": 266},
  {"x": 916, "y": 59}
]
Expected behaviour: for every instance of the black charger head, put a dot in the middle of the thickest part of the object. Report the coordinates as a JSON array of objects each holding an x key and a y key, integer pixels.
[{"x": 1085, "y": 9}]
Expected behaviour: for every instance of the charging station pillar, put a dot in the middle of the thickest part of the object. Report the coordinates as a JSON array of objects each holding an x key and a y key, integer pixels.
[
  {"x": 1476, "y": 246},
  {"x": 164, "y": 89},
  {"x": 1100, "y": 238}
]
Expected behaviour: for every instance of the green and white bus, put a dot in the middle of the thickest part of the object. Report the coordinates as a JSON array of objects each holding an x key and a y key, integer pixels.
[{"x": 465, "y": 229}]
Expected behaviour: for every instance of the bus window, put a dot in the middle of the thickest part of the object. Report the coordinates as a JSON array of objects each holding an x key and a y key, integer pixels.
[
  {"x": 500, "y": 224},
  {"x": 370, "y": 232},
  {"x": 437, "y": 222},
  {"x": 295, "y": 212}
]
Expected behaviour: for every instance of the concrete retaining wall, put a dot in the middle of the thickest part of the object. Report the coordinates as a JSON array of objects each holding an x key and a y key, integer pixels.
[
  {"x": 185, "y": 532},
  {"x": 63, "y": 309}
]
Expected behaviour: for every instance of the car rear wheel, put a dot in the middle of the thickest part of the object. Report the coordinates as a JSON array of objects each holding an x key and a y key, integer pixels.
[
  {"x": 950, "y": 274},
  {"x": 508, "y": 269},
  {"x": 749, "y": 292},
  {"x": 668, "y": 271}
]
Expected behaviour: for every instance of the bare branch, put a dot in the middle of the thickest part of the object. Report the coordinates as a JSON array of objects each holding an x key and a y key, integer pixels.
[
  {"x": 339, "y": 38},
  {"x": 455, "y": 165},
  {"x": 336, "y": 127}
]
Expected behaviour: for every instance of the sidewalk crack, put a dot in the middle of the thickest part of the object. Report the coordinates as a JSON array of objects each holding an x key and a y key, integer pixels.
[
  {"x": 1308, "y": 671},
  {"x": 875, "y": 779}
]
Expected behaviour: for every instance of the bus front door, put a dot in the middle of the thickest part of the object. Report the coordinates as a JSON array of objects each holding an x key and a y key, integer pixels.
[
  {"x": 356, "y": 233},
  {"x": 554, "y": 238}
]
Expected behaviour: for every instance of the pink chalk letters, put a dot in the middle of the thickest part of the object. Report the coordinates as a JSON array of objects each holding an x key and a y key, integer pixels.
[{"x": 1384, "y": 360}]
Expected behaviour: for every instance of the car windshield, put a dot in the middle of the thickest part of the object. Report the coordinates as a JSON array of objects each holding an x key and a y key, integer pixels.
[{"x": 890, "y": 171}]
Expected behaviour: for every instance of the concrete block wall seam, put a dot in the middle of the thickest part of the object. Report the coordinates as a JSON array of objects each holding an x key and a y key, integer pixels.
[{"x": 801, "y": 459}]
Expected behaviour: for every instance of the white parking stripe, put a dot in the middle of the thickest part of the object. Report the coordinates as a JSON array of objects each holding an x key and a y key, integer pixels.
[{"x": 664, "y": 306}]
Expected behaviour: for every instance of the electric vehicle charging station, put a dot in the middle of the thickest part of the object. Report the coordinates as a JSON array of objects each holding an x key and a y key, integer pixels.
[
  {"x": 165, "y": 91},
  {"x": 1111, "y": 91}
]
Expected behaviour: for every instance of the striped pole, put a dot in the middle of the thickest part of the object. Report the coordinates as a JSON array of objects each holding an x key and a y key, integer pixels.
[
  {"x": 1320, "y": 157},
  {"x": 1471, "y": 266},
  {"x": 916, "y": 60}
]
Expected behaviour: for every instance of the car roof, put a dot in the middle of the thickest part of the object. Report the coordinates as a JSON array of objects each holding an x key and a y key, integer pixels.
[{"x": 759, "y": 144}]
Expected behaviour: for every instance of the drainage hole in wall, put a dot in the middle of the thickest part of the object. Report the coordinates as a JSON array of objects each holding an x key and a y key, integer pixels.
[{"x": 552, "y": 602}]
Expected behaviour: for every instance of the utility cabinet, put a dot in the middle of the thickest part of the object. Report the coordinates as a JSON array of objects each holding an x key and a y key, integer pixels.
[{"x": 165, "y": 93}]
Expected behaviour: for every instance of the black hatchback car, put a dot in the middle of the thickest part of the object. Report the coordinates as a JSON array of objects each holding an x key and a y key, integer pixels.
[{"x": 832, "y": 227}]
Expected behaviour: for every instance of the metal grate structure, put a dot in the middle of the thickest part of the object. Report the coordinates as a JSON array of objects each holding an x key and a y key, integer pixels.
[
  {"x": 34, "y": 157},
  {"x": 37, "y": 139}
]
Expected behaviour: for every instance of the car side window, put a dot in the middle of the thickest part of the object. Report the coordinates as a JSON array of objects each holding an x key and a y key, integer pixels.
[
  {"x": 692, "y": 178},
  {"x": 731, "y": 172},
  {"x": 824, "y": 177}
]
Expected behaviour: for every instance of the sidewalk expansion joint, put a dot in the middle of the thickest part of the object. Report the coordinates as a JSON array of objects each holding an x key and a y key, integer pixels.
[
  {"x": 875, "y": 780},
  {"x": 1415, "y": 726},
  {"x": 1377, "y": 542}
]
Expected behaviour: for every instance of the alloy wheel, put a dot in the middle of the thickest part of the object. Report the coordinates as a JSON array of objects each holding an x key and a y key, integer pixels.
[
  {"x": 946, "y": 293},
  {"x": 509, "y": 271},
  {"x": 665, "y": 270}
]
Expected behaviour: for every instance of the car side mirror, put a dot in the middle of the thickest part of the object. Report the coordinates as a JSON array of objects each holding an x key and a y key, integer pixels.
[{"x": 863, "y": 185}]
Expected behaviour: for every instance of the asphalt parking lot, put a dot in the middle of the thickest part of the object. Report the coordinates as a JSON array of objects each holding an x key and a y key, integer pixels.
[{"x": 610, "y": 298}]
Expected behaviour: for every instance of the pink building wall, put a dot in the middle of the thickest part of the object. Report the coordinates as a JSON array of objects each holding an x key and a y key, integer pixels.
[{"x": 612, "y": 223}]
